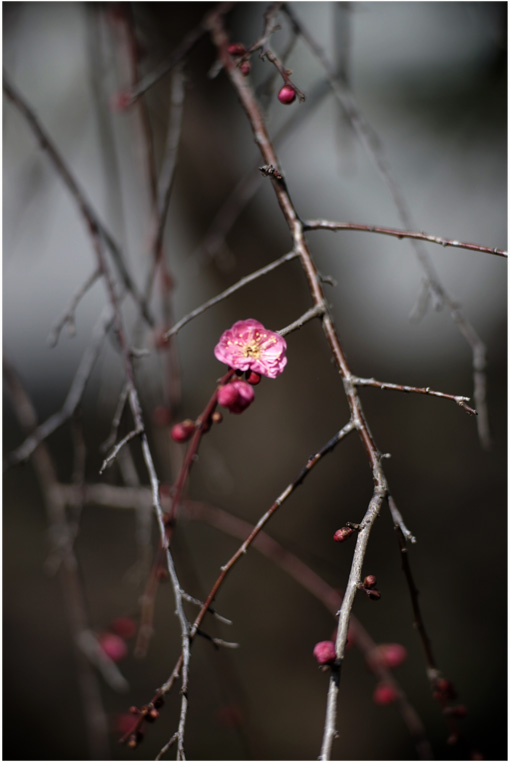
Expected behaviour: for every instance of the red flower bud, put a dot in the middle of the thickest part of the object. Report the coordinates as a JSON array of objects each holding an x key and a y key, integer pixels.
[
  {"x": 384, "y": 694},
  {"x": 245, "y": 68},
  {"x": 236, "y": 49},
  {"x": 287, "y": 94},
  {"x": 236, "y": 396},
  {"x": 369, "y": 581},
  {"x": 181, "y": 432},
  {"x": 324, "y": 652},
  {"x": 343, "y": 534},
  {"x": 253, "y": 378}
]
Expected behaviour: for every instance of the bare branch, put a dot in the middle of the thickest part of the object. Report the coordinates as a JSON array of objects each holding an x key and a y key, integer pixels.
[
  {"x": 95, "y": 226},
  {"x": 228, "y": 292},
  {"x": 316, "y": 311},
  {"x": 445, "y": 242},
  {"x": 74, "y": 394},
  {"x": 68, "y": 316},
  {"x": 461, "y": 401},
  {"x": 111, "y": 457}
]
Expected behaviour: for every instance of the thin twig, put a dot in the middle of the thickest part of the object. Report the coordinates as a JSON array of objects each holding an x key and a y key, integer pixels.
[
  {"x": 68, "y": 316},
  {"x": 107, "y": 462},
  {"x": 231, "y": 290},
  {"x": 461, "y": 401},
  {"x": 400, "y": 234},
  {"x": 74, "y": 395},
  {"x": 316, "y": 311},
  {"x": 94, "y": 225},
  {"x": 179, "y": 54}
]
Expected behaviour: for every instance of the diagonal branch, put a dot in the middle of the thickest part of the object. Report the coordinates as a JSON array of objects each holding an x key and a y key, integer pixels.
[{"x": 95, "y": 226}]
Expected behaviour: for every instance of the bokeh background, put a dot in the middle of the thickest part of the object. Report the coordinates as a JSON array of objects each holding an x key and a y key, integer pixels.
[{"x": 431, "y": 79}]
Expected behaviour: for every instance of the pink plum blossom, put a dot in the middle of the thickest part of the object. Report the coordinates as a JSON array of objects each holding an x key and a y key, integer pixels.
[
  {"x": 250, "y": 346},
  {"x": 236, "y": 396}
]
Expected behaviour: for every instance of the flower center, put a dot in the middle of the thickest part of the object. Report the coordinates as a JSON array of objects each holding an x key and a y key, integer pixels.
[{"x": 251, "y": 350}]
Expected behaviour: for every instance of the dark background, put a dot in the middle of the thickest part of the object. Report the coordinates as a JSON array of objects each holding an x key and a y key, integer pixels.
[{"x": 431, "y": 78}]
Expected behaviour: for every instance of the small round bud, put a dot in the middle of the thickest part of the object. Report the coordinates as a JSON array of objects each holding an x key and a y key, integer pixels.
[
  {"x": 287, "y": 94},
  {"x": 236, "y": 49},
  {"x": 181, "y": 432},
  {"x": 216, "y": 417},
  {"x": 384, "y": 694},
  {"x": 343, "y": 534},
  {"x": 113, "y": 646},
  {"x": 324, "y": 652},
  {"x": 134, "y": 710},
  {"x": 389, "y": 655},
  {"x": 253, "y": 378},
  {"x": 245, "y": 68},
  {"x": 369, "y": 581}
]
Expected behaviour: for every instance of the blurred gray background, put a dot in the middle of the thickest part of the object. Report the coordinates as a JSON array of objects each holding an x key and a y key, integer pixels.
[{"x": 431, "y": 79}]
